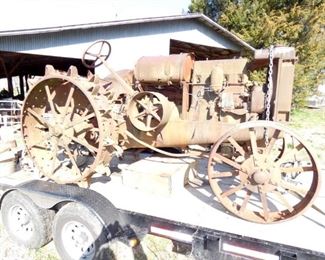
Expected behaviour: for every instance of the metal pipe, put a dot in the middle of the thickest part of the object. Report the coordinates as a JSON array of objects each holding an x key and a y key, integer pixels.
[
  {"x": 128, "y": 88},
  {"x": 181, "y": 133}
]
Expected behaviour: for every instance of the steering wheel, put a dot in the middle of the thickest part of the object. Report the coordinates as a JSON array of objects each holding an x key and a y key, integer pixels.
[{"x": 100, "y": 50}]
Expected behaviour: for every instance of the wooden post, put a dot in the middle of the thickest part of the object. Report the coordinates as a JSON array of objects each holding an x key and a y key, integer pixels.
[
  {"x": 10, "y": 86},
  {"x": 26, "y": 83},
  {"x": 21, "y": 87}
]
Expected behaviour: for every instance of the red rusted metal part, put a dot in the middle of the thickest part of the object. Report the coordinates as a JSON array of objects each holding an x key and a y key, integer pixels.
[
  {"x": 148, "y": 111},
  {"x": 64, "y": 129},
  {"x": 264, "y": 181},
  {"x": 164, "y": 69}
]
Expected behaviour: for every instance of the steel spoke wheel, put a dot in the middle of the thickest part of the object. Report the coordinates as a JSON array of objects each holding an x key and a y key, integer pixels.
[
  {"x": 148, "y": 111},
  {"x": 62, "y": 130},
  {"x": 263, "y": 180}
]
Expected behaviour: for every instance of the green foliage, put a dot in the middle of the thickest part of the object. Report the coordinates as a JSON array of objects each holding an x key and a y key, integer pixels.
[
  {"x": 211, "y": 8},
  {"x": 296, "y": 23}
]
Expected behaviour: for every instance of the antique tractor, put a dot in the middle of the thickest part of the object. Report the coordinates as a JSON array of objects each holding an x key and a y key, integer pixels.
[{"x": 258, "y": 169}]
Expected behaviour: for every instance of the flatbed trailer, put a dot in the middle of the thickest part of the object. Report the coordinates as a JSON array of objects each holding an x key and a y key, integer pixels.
[{"x": 189, "y": 216}]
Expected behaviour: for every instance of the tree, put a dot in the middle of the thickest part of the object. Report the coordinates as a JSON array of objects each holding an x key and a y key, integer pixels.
[
  {"x": 296, "y": 23},
  {"x": 211, "y": 8}
]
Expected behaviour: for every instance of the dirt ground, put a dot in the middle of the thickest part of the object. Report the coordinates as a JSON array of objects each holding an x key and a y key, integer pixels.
[{"x": 310, "y": 125}]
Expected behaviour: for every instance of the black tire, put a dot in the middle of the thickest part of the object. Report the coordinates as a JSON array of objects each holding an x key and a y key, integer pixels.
[
  {"x": 77, "y": 232},
  {"x": 26, "y": 223}
]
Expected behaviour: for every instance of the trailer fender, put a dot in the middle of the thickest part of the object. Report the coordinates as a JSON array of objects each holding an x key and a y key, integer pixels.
[{"x": 48, "y": 194}]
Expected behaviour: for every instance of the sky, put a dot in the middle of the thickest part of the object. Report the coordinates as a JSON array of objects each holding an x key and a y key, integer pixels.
[{"x": 27, "y": 14}]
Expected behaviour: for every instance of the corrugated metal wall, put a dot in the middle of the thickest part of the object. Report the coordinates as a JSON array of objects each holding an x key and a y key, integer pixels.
[{"x": 129, "y": 42}]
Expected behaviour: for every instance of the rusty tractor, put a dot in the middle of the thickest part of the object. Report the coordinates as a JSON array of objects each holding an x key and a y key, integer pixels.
[{"x": 258, "y": 169}]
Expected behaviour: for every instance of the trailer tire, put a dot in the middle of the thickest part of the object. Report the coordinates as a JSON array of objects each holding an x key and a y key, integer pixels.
[
  {"x": 25, "y": 222},
  {"x": 78, "y": 233}
]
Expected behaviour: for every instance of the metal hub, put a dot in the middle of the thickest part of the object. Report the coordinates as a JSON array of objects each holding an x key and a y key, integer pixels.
[
  {"x": 261, "y": 177},
  {"x": 56, "y": 131},
  {"x": 20, "y": 221},
  {"x": 78, "y": 240}
]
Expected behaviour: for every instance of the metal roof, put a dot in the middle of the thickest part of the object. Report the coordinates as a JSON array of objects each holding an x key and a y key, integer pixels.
[{"x": 199, "y": 17}]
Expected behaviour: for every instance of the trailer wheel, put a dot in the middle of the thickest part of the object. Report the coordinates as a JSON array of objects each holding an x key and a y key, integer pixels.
[
  {"x": 77, "y": 232},
  {"x": 25, "y": 222}
]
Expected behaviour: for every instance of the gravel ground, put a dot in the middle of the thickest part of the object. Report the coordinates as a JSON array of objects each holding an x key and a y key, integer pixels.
[
  {"x": 12, "y": 251},
  {"x": 151, "y": 248},
  {"x": 310, "y": 126}
]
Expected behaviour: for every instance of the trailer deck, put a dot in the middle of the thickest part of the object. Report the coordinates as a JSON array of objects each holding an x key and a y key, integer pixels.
[{"x": 167, "y": 189}]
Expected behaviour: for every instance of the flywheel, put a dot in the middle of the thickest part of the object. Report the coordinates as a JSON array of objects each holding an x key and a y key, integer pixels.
[
  {"x": 64, "y": 130},
  {"x": 270, "y": 175},
  {"x": 148, "y": 111}
]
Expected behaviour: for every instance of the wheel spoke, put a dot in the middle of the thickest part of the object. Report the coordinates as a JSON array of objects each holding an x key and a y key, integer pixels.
[
  {"x": 299, "y": 169},
  {"x": 264, "y": 205},
  {"x": 283, "y": 200},
  {"x": 72, "y": 159},
  {"x": 50, "y": 99},
  {"x": 274, "y": 138},
  {"x": 142, "y": 104},
  {"x": 91, "y": 54},
  {"x": 101, "y": 49},
  {"x": 142, "y": 114},
  {"x": 148, "y": 121},
  {"x": 245, "y": 202},
  {"x": 156, "y": 116},
  {"x": 55, "y": 151},
  {"x": 91, "y": 148},
  {"x": 40, "y": 147},
  {"x": 69, "y": 114},
  {"x": 156, "y": 107},
  {"x": 227, "y": 161},
  {"x": 223, "y": 174},
  {"x": 57, "y": 168},
  {"x": 237, "y": 146},
  {"x": 232, "y": 190},
  {"x": 37, "y": 116},
  {"x": 67, "y": 103},
  {"x": 86, "y": 129},
  {"x": 83, "y": 119},
  {"x": 292, "y": 188}
]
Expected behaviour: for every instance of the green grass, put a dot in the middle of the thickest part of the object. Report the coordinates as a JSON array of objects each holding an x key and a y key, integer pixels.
[
  {"x": 307, "y": 117},
  {"x": 47, "y": 252}
]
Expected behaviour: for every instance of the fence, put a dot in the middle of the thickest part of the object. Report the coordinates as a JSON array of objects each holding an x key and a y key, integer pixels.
[{"x": 10, "y": 112}]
